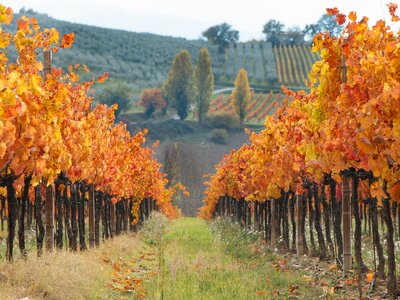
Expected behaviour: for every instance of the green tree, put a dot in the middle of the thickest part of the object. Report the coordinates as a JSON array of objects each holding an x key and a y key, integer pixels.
[
  {"x": 292, "y": 36},
  {"x": 203, "y": 83},
  {"x": 328, "y": 23},
  {"x": 120, "y": 94},
  {"x": 221, "y": 35},
  {"x": 178, "y": 86},
  {"x": 241, "y": 94},
  {"x": 273, "y": 31},
  {"x": 325, "y": 23},
  {"x": 310, "y": 30}
]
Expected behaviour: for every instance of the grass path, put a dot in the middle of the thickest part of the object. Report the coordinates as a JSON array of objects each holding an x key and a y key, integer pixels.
[
  {"x": 183, "y": 259},
  {"x": 197, "y": 265}
]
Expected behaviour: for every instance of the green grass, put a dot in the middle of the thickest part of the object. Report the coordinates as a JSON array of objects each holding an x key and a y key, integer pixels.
[{"x": 201, "y": 265}]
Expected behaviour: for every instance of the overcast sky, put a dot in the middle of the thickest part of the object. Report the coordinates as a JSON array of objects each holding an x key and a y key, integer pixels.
[{"x": 188, "y": 19}]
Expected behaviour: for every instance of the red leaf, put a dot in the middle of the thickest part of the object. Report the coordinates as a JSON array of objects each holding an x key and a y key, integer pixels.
[
  {"x": 332, "y": 11},
  {"x": 392, "y": 10},
  {"x": 67, "y": 40},
  {"x": 340, "y": 18},
  {"x": 102, "y": 78},
  {"x": 23, "y": 24}
]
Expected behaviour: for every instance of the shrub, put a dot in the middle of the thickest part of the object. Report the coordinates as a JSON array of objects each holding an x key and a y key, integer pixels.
[
  {"x": 152, "y": 100},
  {"x": 223, "y": 120},
  {"x": 116, "y": 94},
  {"x": 154, "y": 229},
  {"x": 219, "y": 135}
]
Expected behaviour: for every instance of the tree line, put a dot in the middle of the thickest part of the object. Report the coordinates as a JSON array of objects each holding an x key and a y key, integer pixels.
[
  {"x": 223, "y": 35},
  {"x": 189, "y": 87}
]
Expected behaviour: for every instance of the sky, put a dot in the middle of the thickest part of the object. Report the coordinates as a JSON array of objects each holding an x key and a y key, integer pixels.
[{"x": 185, "y": 18}]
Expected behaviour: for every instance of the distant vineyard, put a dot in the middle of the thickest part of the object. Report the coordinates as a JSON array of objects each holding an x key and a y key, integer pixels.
[
  {"x": 267, "y": 65},
  {"x": 257, "y": 58},
  {"x": 258, "y": 108},
  {"x": 294, "y": 62}
]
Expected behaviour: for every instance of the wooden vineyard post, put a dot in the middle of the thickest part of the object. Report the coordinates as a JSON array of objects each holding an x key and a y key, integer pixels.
[
  {"x": 229, "y": 201},
  {"x": 299, "y": 217},
  {"x": 266, "y": 228},
  {"x": 248, "y": 212},
  {"x": 256, "y": 215},
  {"x": 274, "y": 235},
  {"x": 346, "y": 223},
  {"x": 242, "y": 212},
  {"x": 49, "y": 190},
  {"x": 46, "y": 63},
  {"x": 127, "y": 213},
  {"x": 268, "y": 221},
  {"x": 237, "y": 210},
  {"x": 261, "y": 217},
  {"x": 226, "y": 206},
  {"x": 91, "y": 216},
  {"x": 148, "y": 208},
  {"x": 112, "y": 213},
  {"x": 245, "y": 220},
  {"x": 49, "y": 218},
  {"x": 346, "y": 205}
]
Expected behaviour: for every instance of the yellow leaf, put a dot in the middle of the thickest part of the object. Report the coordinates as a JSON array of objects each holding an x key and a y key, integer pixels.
[
  {"x": 365, "y": 145},
  {"x": 370, "y": 277},
  {"x": 377, "y": 192},
  {"x": 307, "y": 278}
]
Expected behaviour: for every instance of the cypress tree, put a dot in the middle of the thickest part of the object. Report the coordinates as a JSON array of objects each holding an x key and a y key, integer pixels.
[
  {"x": 203, "y": 83},
  {"x": 177, "y": 87}
]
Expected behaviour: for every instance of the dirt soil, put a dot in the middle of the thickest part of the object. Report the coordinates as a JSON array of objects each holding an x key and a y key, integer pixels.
[{"x": 193, "y": 161}]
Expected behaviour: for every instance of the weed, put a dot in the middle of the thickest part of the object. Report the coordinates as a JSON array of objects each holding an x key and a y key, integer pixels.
[
  {"x": 153, "y": 233},
  {"x": 236, "y": 240}
]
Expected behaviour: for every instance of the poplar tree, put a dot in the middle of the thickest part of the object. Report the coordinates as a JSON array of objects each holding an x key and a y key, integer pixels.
[
  {"x": 177, "y": 87},
  {"x": 241, "y": 94},
  {"x": 203, "y": 83}
]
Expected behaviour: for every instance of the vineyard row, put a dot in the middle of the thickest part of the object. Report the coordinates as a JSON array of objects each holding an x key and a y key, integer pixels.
[
  {"x": 77, "y": 208},
  {"x": 53, "y": 141},
  {"x": 340, "y": 139},
  {"x": 259, "y": 106},
  {"x": 282, "y": 64}
]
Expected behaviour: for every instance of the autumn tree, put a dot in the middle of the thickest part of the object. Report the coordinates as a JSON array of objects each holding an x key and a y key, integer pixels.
[
  {"x": 241, "y": 94},
  {"x": 203, "y": 83},
  {"x": 178, "y": 86},
  {"x": 221, "y": 35},
  {"x": 152, "y": 100}
]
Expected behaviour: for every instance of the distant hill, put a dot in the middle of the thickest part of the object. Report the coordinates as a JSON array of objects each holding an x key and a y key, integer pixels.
[
  {"x": 140, "y": 58},
  {"x": 143, "y": 59}
]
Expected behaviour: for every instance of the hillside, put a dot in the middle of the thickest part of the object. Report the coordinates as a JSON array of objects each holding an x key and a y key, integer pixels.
[
  {"x": 139, "y": 58},
  {"x": 143, "y": 59}
]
